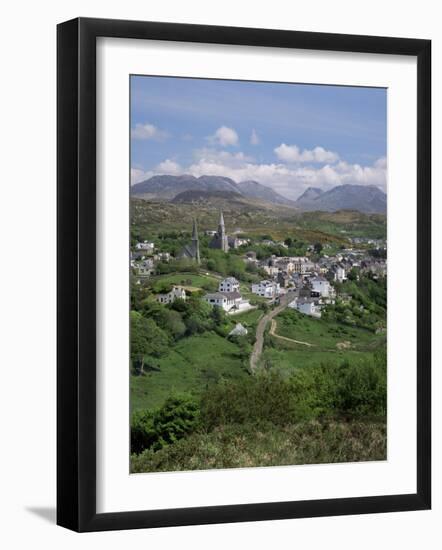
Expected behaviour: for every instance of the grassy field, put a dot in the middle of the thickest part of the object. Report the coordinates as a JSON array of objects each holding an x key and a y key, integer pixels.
[
  {"x": 331, "y": 342},
  {"x": 194, "y": 362},
  {"x": 187, "y": 280},
  {"x": 249, "y": 318},
  {"x": 287, "y": 357},
  {"x": 346, "y": 223},
  {"x": 325, "y": 335},
  {"x": 190, "y": 365}
]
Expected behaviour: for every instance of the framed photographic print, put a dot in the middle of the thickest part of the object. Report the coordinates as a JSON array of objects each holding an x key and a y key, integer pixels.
[{"x": 243, "y": 274}]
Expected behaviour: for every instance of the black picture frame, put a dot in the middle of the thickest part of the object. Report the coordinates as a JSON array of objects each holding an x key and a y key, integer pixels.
[{"x": 76, "y": 274}]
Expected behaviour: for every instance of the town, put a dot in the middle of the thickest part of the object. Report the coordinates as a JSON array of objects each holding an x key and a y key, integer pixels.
[{"x": 307, "y": 283}]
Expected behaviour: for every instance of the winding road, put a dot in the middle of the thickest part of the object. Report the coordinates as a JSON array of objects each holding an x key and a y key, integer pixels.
[{"x": 260, "y": 329}]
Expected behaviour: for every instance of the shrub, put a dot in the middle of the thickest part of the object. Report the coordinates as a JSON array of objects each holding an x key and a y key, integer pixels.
[{"x": 178, "y": 417}]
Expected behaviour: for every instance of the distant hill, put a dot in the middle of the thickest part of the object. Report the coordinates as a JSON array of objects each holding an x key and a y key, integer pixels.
[
  {"x": 203, "y": 196},
  {"x": 363, "y": 198},
  {"x": 171, "y": 187},
  {"x": 188, "y": 188},
  {"x": 255, "y": 190},
  {"x": 168, "y": 187},
  {"x": 309, "y": 194}
]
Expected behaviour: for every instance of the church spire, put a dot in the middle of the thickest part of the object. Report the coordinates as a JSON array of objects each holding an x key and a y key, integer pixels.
[
  {"x": 221, "y": 220},
  {"x": 195, "y": 242},
  {"x": 194, "y": 231}
]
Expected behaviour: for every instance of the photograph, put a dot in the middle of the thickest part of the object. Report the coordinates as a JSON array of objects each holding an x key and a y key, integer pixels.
[{"x": 258, "y": 268}]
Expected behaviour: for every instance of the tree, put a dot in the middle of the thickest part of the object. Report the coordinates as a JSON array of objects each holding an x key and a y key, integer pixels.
[
  {"x": 211, "y": 265},
  {"x": 172, "y": 322},
  {"x": 352, "y": 275},
  {"x": 146, "y": 339},
  {"x": 218, "y": 316},
  {"x": 318, "y": 248}
]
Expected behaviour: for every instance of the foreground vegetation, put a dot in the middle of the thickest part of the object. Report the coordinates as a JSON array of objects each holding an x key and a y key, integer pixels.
[
  {"x": 327, "y": 413},
  {"x": 244, "y": 446}
]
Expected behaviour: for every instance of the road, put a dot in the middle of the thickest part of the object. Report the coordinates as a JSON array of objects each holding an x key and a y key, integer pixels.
[{"x": 260, "y": 329}]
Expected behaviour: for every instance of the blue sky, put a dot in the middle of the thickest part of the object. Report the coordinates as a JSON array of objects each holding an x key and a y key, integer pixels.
[{"x": 286, "y": 136}]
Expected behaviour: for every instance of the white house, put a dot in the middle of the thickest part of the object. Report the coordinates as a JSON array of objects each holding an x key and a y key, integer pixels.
[
  {"x": 162, "y": 256},
  {"x": 177, "y": 292},
  {"x": 145, "y": 246},
  {"x": 321, "y": 286},
  {"x": 266, "y": 289},
  {"x": 307, "y": 306},
  {"x": 242, "y": 242},
  {"x": 227, "y": 300},
  {"x": 229, "y": 285},
  {"x": 231, "y": 302},
  {"x": 339, "y": 274},
  {"x": 239, "y": 330}
]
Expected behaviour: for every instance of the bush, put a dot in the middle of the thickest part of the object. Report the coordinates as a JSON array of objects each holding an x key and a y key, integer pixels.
[
  {"x": 178, "y": 417},
  {"x": 244, "y": 446}
]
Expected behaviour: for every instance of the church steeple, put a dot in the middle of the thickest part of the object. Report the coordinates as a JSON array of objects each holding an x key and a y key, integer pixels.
[
  {"x": 195, "y": 241},
  {"x": 220, "y": 239},
  {"x": 194, "y": 231},
  {"x": 221, "y": 222}
]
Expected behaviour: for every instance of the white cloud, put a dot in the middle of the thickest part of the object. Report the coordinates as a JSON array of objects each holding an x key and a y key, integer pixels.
[
  {"x": 225, "y": 158},
  {"x": 254, "y": 138},
  {"x": 148, "y": 131},
  {"x": 168, "y": 167},
  {"x": 137, "y": 175},
  {"x": 293, "y": 154},
  {"x": 381, "y": 163},
  {"x": 224, "y": 136}
]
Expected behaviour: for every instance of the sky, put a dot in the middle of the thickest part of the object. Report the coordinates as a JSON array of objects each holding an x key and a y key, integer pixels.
[{"x": 286, "y": 136}]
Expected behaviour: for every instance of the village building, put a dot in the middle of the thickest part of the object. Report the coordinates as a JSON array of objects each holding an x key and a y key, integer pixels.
[
  {"x": 321, "y": 286},
  {"x": 162, "y": 257},
  {"x": 220, "y": 239},
  {"x": 283, "y": 279},
  {"x": 239, "y": 330},
  {"x": 266, "y": 289},
  {"x": 307, "y": 306},
  {"x": 176, "y": 293},
  {"x": 229, "y": 285},
  {"x": 242, "y": 242},
  {"x": 251, "y": 256},
  {"x": 145, "y": 268},
  {"x": 339, "y": 273},
  {"x": 145, "y": 246},
  {"x": 191, "y": 251},
  {"x": 230, "y": 300},
  {"x": 233, "y": 242},
  {"x": 271, "y": 270}
]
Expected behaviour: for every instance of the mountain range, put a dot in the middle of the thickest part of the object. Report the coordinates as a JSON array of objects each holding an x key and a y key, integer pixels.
[
  {"x": 173, "y": 187},
  {"x": 188, "y": 188},
  {"x": 364, "y": 198}
]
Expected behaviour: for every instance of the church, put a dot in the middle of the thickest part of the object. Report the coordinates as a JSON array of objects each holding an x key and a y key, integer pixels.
[
  {"x": 220, "y": 239},
  {"x": 191, "y": 251}
]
